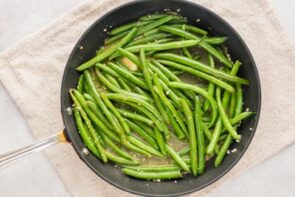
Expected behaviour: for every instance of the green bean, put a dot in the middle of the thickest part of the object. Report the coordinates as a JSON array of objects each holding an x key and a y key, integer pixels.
[
  {"x": 202, "y": 43},
  {"x": 116, "y": 89},
  {"x": 159, "y": 90},
  {"x": 224, "y": 117},
  {"x": 143, "y": 146},
  {"x": 92, "y": 106},
  {"x": 116, "y": 113},
  {"x": 118, "y": 150},
  {"x": 112, "y": 80},
  {"x": 146, "y": 128},
  {"x": 153, "y": 168},
  {"x": 138, "y": 90},
  {"x": 103, "y": 106},
  {"x": 154, "y": 24},
  {"x": 147, "y": 76},
  {"x": 177, "y": 22},
  {"x": 109, "y": 51},
  {"x": 184, "y": 151},
  {"x": 127, "y": 75},
  {"x": 161, "y": 75},
  {"x": 173, "y": 174},
  {"x": 91, "y": 130},
  {"x": 223, "y": 150},
  {"x": 186, "y": 52},
  {"x": 177, "y": 158},
  {"x": 200, "y": 91},
  {"x": 87, "y": 139},
  {"x": 160, "y": 140},
  {"x": 239, "y": 99},
  {"x": 115, "y": 38},
  {"x": 120, "y": 160},
  {"x": 178, "y": 131},
  {"x": 148, "y": 114},
  {"x": 147, "y": 39},
  {"x": 124, "y": 85},
  {"x": 148, "y": 33},
  {"x": 86, "y": 87},
  {"x": 205, "y": 76},
  {"x": 178, "y": 72},
  {"x": 80, "y": 85},
  {"x": 211, "y": 86},
  {"x": 202, "y": 67},
  {"x": 134, "y": 116},
  {"x": 163, "y": 46},
  {"x": 125, "y": 27},
  {"x": 130, "y": 56},
  {"x": 166, "y": 71},
  {"x": 196, "y": 30},
  {"x": 232, "y": 106},
  {"x": 137, "y": 149},
  {"x": 143, "y": 134},
  {"x": 215, "y": 40},
  {"x": 200, "y": 136},
  {"x": 169, "y": 92},
  {"x": 207, "y": 133},
  {"x": 106, "y": 69},
  {"x": 241, "y": 116},
  {"x": 192, "y": 137},
  {"x": 152, "y": 17},
  {"x": 88, "y": 97}
]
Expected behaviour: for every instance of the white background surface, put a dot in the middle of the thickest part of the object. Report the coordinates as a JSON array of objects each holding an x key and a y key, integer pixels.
[{"x": 35, "y": 177}]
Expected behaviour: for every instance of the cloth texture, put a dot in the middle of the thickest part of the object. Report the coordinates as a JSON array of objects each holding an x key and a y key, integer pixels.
[{"x": 32, "y": 70}]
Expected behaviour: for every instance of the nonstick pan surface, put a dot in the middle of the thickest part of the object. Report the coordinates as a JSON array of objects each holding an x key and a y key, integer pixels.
[{"x": 94, "y": 37}]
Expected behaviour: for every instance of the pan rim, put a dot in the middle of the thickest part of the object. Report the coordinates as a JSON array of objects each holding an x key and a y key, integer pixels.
[{"x": 232, "y": 164}]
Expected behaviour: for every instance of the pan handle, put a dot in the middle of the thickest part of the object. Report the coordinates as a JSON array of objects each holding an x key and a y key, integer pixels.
[{"x": 9, "y": 158}]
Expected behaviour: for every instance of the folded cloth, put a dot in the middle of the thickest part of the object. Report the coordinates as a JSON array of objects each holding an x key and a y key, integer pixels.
[{"x": 32, "y": 70}]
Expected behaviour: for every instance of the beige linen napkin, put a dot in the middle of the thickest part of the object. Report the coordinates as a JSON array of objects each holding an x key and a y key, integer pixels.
[{"x": 32, "y": 70}]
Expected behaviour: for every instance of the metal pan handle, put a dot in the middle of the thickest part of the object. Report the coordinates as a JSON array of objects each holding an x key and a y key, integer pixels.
[{"x": 11, "y": 157}]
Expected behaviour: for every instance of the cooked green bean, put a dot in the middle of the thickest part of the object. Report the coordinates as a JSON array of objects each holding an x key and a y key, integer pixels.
[
  {"x": 215, "y": 40},
  {"x": 129, "y": 26},
  {"x": 154, "y": 24},
  {"x": 197, "y": 73},
  {"x": 127, "y": 75},
  {"x": 223, "y": 150},
  {"x": 178, "y": 131},
  {"x": 120, "y": 160},
  {"x": 143, "y": 134},
  {"x": 163, "y": 46},
  {"x": 200, "y": 91},
  {"x": 186, "y": 52},
  {"x": 224, "y": 117},
  {"x": 134, "y": 116},
  {"x": 144, "y": 146},
  {"x": 102, "y": 105},
  {"x": 109, "y": 51},
  {"x": 239, "y": 99},
  {"x": 147, "y": 75},
  {"x": 192, "y": 137},
  {"x": 202, "y": 43},
  {"x": 177, "y": 158},
  {"x": 87, "y": 139},
  {"x": 154, "y": 168},
  {"x": 202, "y": 67},
  {"x": 146, "y": 128},
  {"x": 173, "y": 174},
  {"x": 200, "y": 136},
  {"x": 88, "y": 123},
  {"x": 115, "y": 38},
  {"x": 211, "y": 86},
  {"x": 196, "y": 30},
  {"x": 80, "y": 85},
  {"x": 148, "y": 39},
  {"x": 112, "y": 80},
  {"x": 106, "y": 69},
  {"x": 184, "y": 151},
  {"x": 159, "y": 90},
  {"x": 116, "y": 113}
]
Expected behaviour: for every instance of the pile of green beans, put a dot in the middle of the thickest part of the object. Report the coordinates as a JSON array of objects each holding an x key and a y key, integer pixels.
[{"x": 133, "y": 105}]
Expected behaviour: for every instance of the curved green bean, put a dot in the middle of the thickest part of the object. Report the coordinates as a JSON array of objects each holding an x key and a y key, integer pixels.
[
  {"x": 177, "y": 158},
  {"x": 173, "y": 174}
]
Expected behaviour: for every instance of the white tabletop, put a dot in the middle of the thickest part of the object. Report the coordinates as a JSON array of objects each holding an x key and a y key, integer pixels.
[{"x": 36, "y": 177}]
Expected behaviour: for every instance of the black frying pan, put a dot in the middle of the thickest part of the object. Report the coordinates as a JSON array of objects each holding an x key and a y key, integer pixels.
[{"x": 95, "y": 35}]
